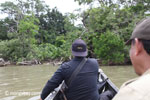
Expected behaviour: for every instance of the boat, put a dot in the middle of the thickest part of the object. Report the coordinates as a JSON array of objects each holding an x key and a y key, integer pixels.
[
  {"x": 103, "y": 81},
  {"x": 109, "y": 85}
]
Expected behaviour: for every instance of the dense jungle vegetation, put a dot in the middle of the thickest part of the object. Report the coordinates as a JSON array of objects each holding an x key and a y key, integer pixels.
[{"x": 34, "y": 31}]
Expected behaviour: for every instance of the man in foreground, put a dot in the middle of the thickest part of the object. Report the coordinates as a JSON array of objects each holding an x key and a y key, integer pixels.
[{"x": 139, "y": 88}]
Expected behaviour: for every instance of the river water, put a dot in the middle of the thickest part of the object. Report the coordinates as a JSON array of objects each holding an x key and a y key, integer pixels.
[{"x": 26, "y": 82}]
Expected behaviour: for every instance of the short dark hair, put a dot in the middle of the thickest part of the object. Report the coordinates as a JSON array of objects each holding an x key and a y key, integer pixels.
[{"x": 146, "y": 44}]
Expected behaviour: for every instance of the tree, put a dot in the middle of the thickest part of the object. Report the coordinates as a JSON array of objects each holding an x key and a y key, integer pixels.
[
  {"x": 31, "y": 26},
  {"x": 3, "y": 31},
  {"x": 22, "y": 41},
  {"x": 51, "y": 25},
  {"x": 109, "y": 47},
  {"x": 117, "y": 17},
  {"x": 18, "y": 9}
]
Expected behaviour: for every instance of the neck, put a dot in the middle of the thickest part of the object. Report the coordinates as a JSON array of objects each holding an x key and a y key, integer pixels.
[{"x": 145, "y": 63}]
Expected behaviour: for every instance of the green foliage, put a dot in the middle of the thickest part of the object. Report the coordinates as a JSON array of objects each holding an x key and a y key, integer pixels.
[
  {"x": 8, "y": 7},
  {"x": 64, "y": 42},
  {"x": 19, "y": 8},
  {"x": 109, "y": 47},
  {"x": 99, "y": 18},
  {"x": 84, "y": 1},
  {"x": 112, "y": 18},
  {"x": 44, "y": 52},
  {"x": 61, "y": 49},
  {"x": 11, "y": 50},
  {"x": 28, "y": 28},
  {"x": 51, "y": 25},
  {"x": 119, "y": 21},
  {"x": 34, "y": 31},
  {"x": 67, "y": 43},
  {"x": 6, "y": 26},
  {"x": 21, "y": 42},
  {"x": 3, "y": 30}
]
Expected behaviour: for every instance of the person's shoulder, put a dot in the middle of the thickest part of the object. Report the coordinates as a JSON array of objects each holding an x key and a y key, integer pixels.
[
  {"x": 134, "y": 89},
  {"x": 141, "y": 83},
  {"x": 127, "y": 92},
  {"x": 65, "y": 65},
  {"x": 92, "y": 60},
  {"x": 142, "y": 80},
  {"x": 129, "y": 82}
]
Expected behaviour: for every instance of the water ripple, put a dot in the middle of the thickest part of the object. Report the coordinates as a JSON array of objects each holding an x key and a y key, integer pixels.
[
  {"x": 9, "y": 98},
  {"x": 35, "y": 98},
  {"x": 4, "y": 84}
]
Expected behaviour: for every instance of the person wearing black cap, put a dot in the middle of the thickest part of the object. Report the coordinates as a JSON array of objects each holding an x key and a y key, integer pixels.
[
  {"x": 84, "y": 86},
  {"x": 139, "y": 88}
]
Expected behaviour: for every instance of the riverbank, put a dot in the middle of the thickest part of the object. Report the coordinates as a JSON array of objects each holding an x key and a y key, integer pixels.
[
  {"x": 4, "y": 63},
  {"x": 55, "y": 62}
]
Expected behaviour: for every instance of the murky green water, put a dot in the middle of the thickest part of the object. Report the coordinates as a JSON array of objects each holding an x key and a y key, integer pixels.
[{"x": 26, "y": 82}]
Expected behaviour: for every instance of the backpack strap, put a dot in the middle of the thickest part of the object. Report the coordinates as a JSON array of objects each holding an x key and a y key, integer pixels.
[{"x": 76, "y": 71}]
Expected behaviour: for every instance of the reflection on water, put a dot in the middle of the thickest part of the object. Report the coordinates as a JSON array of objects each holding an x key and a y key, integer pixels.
[{"x": 26, "y": 82}]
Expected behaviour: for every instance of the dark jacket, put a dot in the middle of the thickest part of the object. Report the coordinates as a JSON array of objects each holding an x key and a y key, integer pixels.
[{"x": 83, "y": 87}]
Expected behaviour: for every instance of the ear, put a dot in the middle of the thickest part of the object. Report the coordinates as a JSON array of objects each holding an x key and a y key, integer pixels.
[{"x": 138, "y": 46}]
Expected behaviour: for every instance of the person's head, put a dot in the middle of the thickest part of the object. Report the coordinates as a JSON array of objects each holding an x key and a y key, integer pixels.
[
  {"x": 140, "y": 46},
  {"x": 79, "y": 48}
]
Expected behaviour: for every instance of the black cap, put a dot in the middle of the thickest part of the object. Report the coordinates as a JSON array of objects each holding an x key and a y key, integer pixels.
[{"x": 79, "y": 48}]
